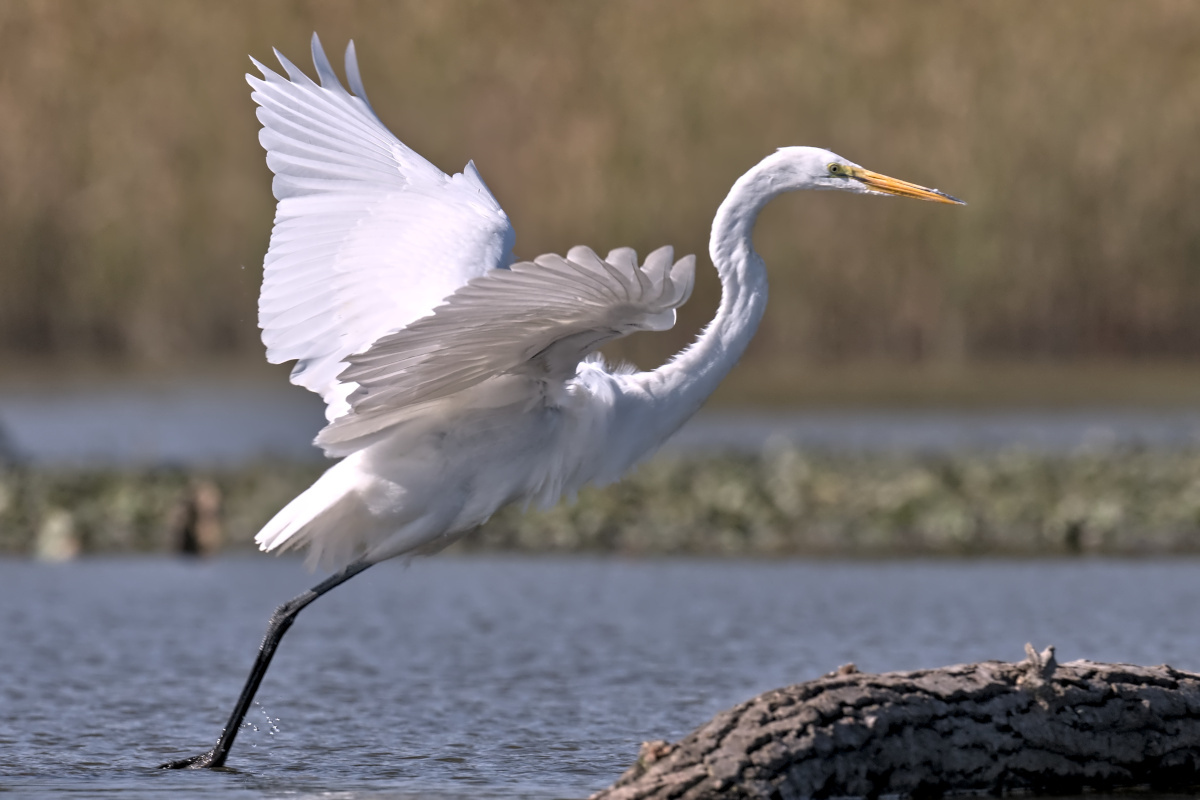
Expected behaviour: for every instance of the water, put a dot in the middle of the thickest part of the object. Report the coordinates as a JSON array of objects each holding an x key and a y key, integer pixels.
[
  {"x": 151, "y": 422},
  {"x": 498, "y": 677},
  {"x": 205, "y": 422}
]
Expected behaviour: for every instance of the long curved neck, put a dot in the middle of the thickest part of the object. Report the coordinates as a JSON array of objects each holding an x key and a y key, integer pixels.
[{"x": 679, "y": 387}]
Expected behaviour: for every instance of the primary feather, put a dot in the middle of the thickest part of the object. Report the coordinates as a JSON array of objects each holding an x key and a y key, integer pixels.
[
  {"x": 454, "y": 384},
  {"x": 368, "y": 236}
]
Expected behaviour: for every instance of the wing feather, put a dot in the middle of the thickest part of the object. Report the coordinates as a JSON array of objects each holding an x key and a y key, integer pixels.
[
  {"x": 368, "y": 237},
  {"x": 538, "y": 319}
]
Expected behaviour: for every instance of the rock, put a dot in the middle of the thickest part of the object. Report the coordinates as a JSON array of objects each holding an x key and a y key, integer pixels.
[
  {"x": 57, "y": 538},
  {"x": 1034, "y": 725},
  {"x": 196, "y": 521}
]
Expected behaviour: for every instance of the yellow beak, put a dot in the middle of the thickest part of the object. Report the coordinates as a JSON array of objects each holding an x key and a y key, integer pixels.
[{"x": 882, "y": 183}]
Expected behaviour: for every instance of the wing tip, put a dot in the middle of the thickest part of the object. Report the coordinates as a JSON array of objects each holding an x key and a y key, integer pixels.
[
  {"x": 326, "y": 75},
  {"x": 354, "y": 76}
]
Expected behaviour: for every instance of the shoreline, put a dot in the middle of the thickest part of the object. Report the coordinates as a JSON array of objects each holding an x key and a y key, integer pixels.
[{"x": 787, "y": 502}]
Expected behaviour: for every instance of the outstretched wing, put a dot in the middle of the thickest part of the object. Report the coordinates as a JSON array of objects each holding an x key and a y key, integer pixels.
[
  {"x": 368, "y": 237},
  {"x": 538, "y": 319}
]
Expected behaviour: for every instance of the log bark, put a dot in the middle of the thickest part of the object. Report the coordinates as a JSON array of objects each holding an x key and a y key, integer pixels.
[{"x": 1033, "y": 725}]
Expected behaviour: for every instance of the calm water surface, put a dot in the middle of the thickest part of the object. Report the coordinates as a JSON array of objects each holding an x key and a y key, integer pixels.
[
  {"x": 497, "y": 677},
  {"x": 206, "y": 422}
]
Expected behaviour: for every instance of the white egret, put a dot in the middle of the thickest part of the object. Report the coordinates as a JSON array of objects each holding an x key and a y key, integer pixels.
[{"x": 457, "y": 381}]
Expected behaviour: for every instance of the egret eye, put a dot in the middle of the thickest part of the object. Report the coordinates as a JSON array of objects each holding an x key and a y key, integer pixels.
[{"x": 837, "y": 169}]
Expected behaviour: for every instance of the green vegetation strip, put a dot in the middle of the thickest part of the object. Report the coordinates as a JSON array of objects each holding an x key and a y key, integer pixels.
[{"x": 780, "y": 503}]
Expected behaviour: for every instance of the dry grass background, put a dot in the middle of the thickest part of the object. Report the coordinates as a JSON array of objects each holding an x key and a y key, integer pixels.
[{"x": 135, "y": 204}]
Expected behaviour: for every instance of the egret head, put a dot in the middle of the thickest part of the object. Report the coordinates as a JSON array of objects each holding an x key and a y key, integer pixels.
[{"x": 815, "y": 168}]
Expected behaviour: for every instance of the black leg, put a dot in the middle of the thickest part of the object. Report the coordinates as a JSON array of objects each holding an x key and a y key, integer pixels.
[{"x": 281, "y": 620}]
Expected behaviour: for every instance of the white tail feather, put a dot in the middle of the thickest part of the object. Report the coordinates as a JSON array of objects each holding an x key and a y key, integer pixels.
[
  {"x": 351, "y": 514},
  {"x": 340, "y": 518}
]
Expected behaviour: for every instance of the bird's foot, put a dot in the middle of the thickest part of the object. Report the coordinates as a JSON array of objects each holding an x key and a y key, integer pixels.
[{"x": 202, "y": 761}]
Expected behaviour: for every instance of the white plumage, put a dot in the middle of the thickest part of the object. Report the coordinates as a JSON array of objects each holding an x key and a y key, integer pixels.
[
  {"x": 452, "y": 377},
  {"x": 368, "y": 237},
  {"x": 456, "y": 381}
]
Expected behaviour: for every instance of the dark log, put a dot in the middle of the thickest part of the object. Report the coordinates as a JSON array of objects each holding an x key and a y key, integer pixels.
[{"x": 1035, "y": 726}]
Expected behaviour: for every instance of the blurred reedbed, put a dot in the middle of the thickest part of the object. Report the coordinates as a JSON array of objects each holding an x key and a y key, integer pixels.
[{"x": 136, "y": 206}]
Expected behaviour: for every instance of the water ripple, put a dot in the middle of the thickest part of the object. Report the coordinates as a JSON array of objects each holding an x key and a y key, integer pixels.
[{"x": 498, "y": 677}]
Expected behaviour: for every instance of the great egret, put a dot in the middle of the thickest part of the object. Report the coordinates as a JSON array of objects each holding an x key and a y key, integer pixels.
[{"x": 457, "y": 381}]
